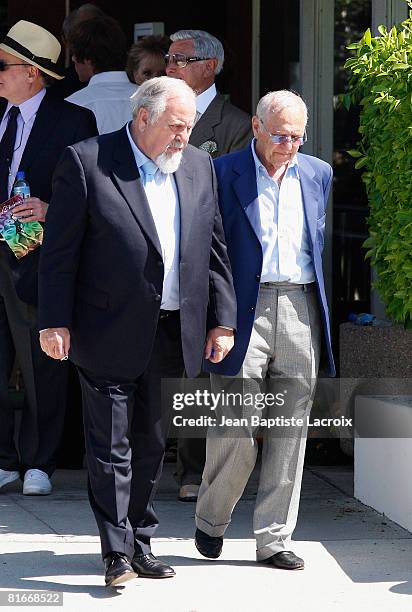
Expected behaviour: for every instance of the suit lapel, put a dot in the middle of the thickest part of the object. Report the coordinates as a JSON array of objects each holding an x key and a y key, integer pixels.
[
  {"x": 204, "y": 128},
  {"x": 310, "y": 195},
  {"x": 42, "y": 130},
  {"x": 245, "y": 188},
  {"x": 127, "y": 178},
  {"x": 184, "y": 178},
  {"x": 3, "y": 106}
]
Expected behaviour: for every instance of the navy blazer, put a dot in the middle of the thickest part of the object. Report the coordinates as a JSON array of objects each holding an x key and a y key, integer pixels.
[{"x": 238, "y": 201}]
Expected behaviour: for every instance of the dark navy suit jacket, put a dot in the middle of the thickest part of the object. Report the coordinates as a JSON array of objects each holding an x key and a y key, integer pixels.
[
  {"x": 101, "y": 268},
  {"x": 238, "y": 201},
  {"x": 58, "y": 124}
]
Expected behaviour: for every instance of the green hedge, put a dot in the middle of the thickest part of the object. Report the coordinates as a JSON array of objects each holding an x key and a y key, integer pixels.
[{"x": 381, "y": 83}]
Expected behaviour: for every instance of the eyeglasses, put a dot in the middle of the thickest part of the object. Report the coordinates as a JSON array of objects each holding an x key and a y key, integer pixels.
[
  {"x": 4, "y": 65},
  {"x": 181, "y": 60},
  {"x": 283, "y": 138}
]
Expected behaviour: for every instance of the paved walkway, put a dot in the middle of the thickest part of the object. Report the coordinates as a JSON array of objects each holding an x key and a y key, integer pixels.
[{"x": 356, "y": 559}]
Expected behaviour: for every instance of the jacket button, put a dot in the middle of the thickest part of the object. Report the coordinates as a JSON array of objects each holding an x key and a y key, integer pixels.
[
  {"x": 252, "y": 309},
  {"x": 257, "y": 277},
  {"x": 158, "y": 297},
  {"x": 160, "y": 263}
]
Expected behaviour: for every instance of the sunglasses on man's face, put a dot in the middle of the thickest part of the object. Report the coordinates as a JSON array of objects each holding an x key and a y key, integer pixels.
[{"x": 5, "y": 66}]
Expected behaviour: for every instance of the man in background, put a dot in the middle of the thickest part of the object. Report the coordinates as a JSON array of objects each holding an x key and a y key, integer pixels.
[
  {"x": 35, "y": 128},
  {"x": 99, "y": 53},
  {"x": 197, "y": 58},
  {"x": 71, "y": 81}
]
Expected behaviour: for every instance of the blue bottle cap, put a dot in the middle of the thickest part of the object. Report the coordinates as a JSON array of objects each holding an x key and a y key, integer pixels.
[{"x": 20, "y": 175}]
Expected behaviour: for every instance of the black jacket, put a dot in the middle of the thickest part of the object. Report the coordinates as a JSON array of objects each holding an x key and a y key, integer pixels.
[
  {"x": 57, "y": 125},
  {"x": 223, "y": 128},
  {"x": 101, "y": 269}
]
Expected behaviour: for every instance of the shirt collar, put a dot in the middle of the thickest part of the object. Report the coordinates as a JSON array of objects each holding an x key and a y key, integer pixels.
[
  {"x": 29, "y": 107},
  {"x": 118, "y": 76},
  {"x": 293, "y": 165},
  {"x": 205, "y": 98},
  {"x": 140, "y": 157}
]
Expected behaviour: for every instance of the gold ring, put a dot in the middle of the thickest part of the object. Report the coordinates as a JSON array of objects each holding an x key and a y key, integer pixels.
[{"x": 31, "y": 212}]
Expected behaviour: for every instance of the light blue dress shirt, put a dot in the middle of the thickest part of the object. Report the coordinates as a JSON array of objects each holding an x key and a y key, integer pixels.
[
  {"x": 25, "y": 122},
  {"x": 281, "y": 226},
  {"x": 163, "y": 202}
]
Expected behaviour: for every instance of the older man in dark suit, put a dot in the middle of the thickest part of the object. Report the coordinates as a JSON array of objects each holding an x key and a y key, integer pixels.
[
  {"x": 35, "y": 128},
  {"x": 134, "y": 272},
  {"x": 197, "y": 58}
]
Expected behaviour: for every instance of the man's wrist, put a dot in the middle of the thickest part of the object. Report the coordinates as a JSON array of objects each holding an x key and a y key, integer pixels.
[{"x": 225, "y": 327}]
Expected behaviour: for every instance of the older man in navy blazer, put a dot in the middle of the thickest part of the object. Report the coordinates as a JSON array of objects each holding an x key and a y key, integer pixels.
[{"x": 273, "y": 205}]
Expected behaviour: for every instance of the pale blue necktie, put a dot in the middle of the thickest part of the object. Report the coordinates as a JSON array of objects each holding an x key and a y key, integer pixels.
[{"x": 149, "y": 170}]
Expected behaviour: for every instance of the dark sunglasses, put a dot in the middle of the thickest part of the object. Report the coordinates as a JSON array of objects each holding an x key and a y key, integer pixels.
[{"x": 4, "y": 65}]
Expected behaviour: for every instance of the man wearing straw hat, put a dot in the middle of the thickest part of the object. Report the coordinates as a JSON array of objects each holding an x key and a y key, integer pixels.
[{"x": 35, "y": 128}]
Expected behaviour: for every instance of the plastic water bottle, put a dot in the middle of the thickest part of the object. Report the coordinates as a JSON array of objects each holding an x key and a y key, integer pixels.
[{"x": 21, "y": 186}]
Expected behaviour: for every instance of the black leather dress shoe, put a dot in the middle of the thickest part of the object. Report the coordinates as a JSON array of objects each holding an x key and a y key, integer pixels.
[
  {"x": 285, "y": 559},
  {"x": 147, "y": 566},
  {"x": 208, "y": 546},
  {"x": 117, "y": 569}
]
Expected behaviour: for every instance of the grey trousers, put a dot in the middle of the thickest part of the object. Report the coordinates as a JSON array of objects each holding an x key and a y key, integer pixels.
[{"x": 285, "y": 342}]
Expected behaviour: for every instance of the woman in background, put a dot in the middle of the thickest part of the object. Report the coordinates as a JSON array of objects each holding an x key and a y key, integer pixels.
[{"x": 146, "y": 58}]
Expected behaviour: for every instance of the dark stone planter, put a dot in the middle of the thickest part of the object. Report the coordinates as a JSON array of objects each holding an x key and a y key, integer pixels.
[
  {"x": 373, "y": 361},
  {"x": 375, "y": 352}
]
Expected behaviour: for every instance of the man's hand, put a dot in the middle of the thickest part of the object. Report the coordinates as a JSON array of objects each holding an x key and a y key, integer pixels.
[
  {"x": 31, "y": 209},
  {"x": 219, "y": 342},
  {"x": 55, "y": 342}
]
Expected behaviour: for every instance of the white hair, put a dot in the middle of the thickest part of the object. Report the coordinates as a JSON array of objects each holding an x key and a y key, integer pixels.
[
  {"x": 154, "y": 93},
  {"x": 277, "y": 101},
  {"x": 205, "y": 45}
]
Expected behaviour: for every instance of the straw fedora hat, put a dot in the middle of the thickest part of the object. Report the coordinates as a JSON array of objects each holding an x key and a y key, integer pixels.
[{"x": 35, "y": 45}]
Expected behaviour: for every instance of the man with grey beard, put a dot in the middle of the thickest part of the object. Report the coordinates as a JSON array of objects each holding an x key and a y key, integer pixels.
[{"x": 134, "y": 269}]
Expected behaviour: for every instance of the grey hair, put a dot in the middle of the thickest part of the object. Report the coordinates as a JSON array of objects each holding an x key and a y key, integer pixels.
[
  {"x": 277, "y": 101},
  {"x": 154, "y": 93},
  {"x": 205, "y": 45}
]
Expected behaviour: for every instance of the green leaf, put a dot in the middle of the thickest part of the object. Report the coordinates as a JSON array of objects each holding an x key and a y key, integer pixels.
[
  {"x": 408, "y": 323},
  {"x": 354, "y": 153},
  {"x": 361, "y": 162},
  {"x": 347, "y": 101}
]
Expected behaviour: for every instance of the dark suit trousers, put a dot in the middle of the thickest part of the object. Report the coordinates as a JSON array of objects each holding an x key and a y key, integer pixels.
[
  {"x": 191, "y": 456},
  {"x": 45, "y": 382},
  {"x": 125, "y": 435}
]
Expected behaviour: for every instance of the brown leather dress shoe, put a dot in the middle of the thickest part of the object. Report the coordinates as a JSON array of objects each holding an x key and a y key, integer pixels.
[{"x": 285, "y": 559}]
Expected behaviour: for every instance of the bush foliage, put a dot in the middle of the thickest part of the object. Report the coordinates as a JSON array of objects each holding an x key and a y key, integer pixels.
[{"x": 381, "y": 83}]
